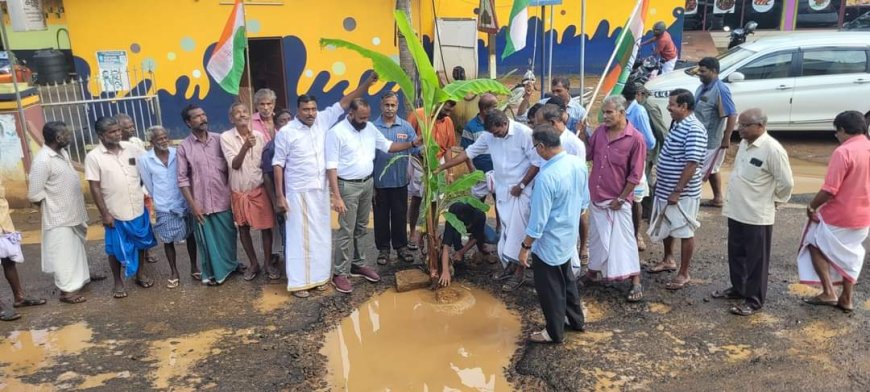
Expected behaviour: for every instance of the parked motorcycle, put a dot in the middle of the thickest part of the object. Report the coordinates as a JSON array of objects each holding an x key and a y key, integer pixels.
[
  {"x": 738, "y": 35},
  {"x": 645, "y": 69}
]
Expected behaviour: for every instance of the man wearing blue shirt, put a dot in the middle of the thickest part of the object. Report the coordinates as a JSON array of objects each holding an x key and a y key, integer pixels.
[
  {"x": 714, "y": 108},
  {"x": 637, "y": 115},
  {"x": 158, "y": 169},
  {"x": 551, "y": 235},
  {"x": 391, "y": 184}
]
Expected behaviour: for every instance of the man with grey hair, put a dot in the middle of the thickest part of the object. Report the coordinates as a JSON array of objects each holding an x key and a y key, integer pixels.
[
  {"x": 263, "y": 121},
  {"x": 159, "y": 171},
  {"x": 618, "y": 152},
  {"x": 128, "y": 130},
  {"x": 761, "y": 180}
]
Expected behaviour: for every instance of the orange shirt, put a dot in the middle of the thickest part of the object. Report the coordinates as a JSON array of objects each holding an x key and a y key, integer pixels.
[
  {"x": 848, "y": 179},
  {"x": 444, "y": 135}
]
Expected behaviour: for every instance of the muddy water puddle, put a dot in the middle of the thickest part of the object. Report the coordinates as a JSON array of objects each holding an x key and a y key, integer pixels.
[{"x": 461, "y": 340}]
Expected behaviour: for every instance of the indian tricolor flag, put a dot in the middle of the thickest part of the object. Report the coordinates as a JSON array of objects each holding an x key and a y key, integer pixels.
[
  {"x": 227, "y": 62},
  {"x": 628, "y": 43},
  {"x": 518, "y": 27}
]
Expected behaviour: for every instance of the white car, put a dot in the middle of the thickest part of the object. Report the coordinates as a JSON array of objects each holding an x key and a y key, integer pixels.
[{"x": 801, "y": 80}]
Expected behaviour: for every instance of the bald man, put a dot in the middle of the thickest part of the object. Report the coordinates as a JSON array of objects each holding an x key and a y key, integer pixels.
[{"x": 760, "y": 181}]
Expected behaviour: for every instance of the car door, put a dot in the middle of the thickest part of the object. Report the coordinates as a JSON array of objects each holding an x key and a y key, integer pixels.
[
  {"x": 767, "y": 82},
  {"x": 831, "y": 80}
]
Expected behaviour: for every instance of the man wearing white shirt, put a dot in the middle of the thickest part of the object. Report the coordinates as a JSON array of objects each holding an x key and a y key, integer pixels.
[
  {"x": 350, "y": 155},
  {"x": 515, "y": 164},
  {"x": 301, "y": 192}
]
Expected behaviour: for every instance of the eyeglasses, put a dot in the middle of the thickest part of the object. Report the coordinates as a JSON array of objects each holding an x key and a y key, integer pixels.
[
  {"x": 742, "y": 125},
  {"x": 538, "y": 145}
]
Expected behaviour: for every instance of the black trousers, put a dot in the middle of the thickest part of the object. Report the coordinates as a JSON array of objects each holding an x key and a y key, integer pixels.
[
  {"x": 749, "y": 260},
  {"x": 391, "y": 216},
  {"x": 560, "y": 300}
]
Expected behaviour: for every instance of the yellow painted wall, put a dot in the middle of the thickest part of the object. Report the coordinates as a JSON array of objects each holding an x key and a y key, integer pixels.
[{"x": 172, "y": 35}]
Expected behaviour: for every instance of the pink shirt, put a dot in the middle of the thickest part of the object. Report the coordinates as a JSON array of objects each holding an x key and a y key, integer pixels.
[
  {"x": 259, "y": 126},
  {"x": 614, "y": 163},
  {"x": 848, "y": 179}
]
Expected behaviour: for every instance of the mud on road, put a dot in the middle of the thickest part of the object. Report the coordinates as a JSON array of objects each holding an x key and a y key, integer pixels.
[{"x": 254, "y": 336}]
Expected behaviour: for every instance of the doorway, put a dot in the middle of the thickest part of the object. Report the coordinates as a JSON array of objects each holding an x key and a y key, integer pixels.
[{"x": 267, "y": 69}]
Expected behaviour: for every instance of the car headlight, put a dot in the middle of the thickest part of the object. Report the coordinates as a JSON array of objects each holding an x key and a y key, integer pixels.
[{"x": 661, "y": 94}]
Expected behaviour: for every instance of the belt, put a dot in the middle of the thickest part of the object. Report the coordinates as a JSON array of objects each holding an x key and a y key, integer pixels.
[{"x": 356, "y": 180}]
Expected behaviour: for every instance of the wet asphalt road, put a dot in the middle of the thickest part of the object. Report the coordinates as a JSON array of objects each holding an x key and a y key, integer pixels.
[{"x": 252, "y": 336}]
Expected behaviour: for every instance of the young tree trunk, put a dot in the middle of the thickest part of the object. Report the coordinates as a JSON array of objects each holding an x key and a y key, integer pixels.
[{"x": 405, "y": 59}]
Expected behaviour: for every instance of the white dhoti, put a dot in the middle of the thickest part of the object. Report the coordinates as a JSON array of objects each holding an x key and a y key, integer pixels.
[
  {"x": 513, "y": 212},
  {"x": 677, "y": 221},
  {"x": 308, "y": 252},
  {"x": 842, "y": 248},
  {"x": 612, "y": 243},
  {"x": 64, "y": 255}
]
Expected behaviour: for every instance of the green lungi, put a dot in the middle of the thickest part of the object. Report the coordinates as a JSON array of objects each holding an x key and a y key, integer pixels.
[{"x": 216, "y": 245}]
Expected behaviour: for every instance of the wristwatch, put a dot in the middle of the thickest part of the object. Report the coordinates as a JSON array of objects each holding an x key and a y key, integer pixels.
[
  {"x": 524, "y": 246},
  {"x": 522, "y": 186}
]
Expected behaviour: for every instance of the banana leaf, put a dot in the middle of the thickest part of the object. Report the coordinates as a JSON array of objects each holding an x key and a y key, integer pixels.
[
  {"x": 459, "y": 89},
  {"x": 465, "y": 182},
  {"x": 454, "y": 221},
  {"x": 387, "y": 69},
  {"x": 431, "y": 92}
]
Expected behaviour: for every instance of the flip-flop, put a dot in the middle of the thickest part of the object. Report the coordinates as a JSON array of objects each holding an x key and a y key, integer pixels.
[
  {"x": 816, "y": 301},
  {"x": 9, "y": 315},
  {"x": 301, "y": 294},
  {"x": 710, "y": 203},
  {"x": 145, "y": 283},
  {"x": 249, "y": 276},
  {"x": 636, "y": 293},
  {"x": 540, "y": 337},
  {"x": 152, "y": 259},
  {"x": 661, "y": 267},
  {"x": 29, "y": 302},
  {"x": 725, "y": 294},
  {"x": 413, "y": 246},
  {"x": 677, "y": 285},
  {"x": 845, "y": 309},
  {"x": 120, "y": 294},
  {"x": 196, "y": 275},
  {"x": 171, "y": 283},
  {"x": 742, "y": 310},
  {"x": 74, "y": 300},
  {"x": 321, "y": 288}
]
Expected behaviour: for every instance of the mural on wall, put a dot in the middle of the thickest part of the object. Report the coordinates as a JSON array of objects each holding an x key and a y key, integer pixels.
[{"x": 178, "y": 43}]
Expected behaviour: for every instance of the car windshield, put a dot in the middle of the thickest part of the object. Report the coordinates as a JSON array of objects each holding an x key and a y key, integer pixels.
[{"x": 727, "y": 59}]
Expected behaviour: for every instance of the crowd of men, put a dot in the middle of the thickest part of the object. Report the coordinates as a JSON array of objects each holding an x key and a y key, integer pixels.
[{"x": 554, "y": 181}]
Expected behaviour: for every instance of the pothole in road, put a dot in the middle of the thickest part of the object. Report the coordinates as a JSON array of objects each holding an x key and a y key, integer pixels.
[{"x": 458, "y": 339}]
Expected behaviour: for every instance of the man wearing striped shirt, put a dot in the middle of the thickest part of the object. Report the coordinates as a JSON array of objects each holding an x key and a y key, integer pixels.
[{"x": 678, "y": 187}]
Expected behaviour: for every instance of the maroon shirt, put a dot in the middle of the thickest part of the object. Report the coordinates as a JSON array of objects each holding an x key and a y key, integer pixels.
[
  {"x": 614, "y": 163},
  {"x": 202, "y": 167}
]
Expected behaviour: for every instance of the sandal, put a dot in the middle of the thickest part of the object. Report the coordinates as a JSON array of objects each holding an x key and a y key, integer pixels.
[
  {"x": 120, "y": 294},
  {"x": 151, "y": 259},
  {"x": 540, "y": 337},
  {"x": 406, "y": 254},
  {"x": 711, "y": 203},
  {"x": 514, "y": 283},
  {"x": 676, "y": 285},
  {"x": 635, "y": 294},
  {"x": 272, "y": 272},
  {"x": 845, "y": 309},
  {"x": 301, "y": 294},
  {"x": 171, "y": 283},
  {"x": 728, "y": 293},
  {"x": 816, "y": 301},
  {"x": 9, "y": 315},
  {"x": 742, "y": 310},
  {"x": 249, "y": 276},
  {"x": 321, "y": 288},
  {"x": 196, "y": 275},
  {"x": 661, "y": 267},
  {"x": 383, "y": 257},
  {"x": 77, "y": 299},
  {"x": 29, "y": 302},
  {"x": 144, "y": 283}
]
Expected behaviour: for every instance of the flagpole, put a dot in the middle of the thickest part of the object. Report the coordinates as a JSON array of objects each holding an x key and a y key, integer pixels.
[
  {"x": 583, "y": 52},
  {"x": 250, "y": 102},
  {"x": 613, "y": 55}
]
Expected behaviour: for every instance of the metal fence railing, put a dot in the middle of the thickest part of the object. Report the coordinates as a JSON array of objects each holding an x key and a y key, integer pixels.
[{"x": 80, "y": 102}]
